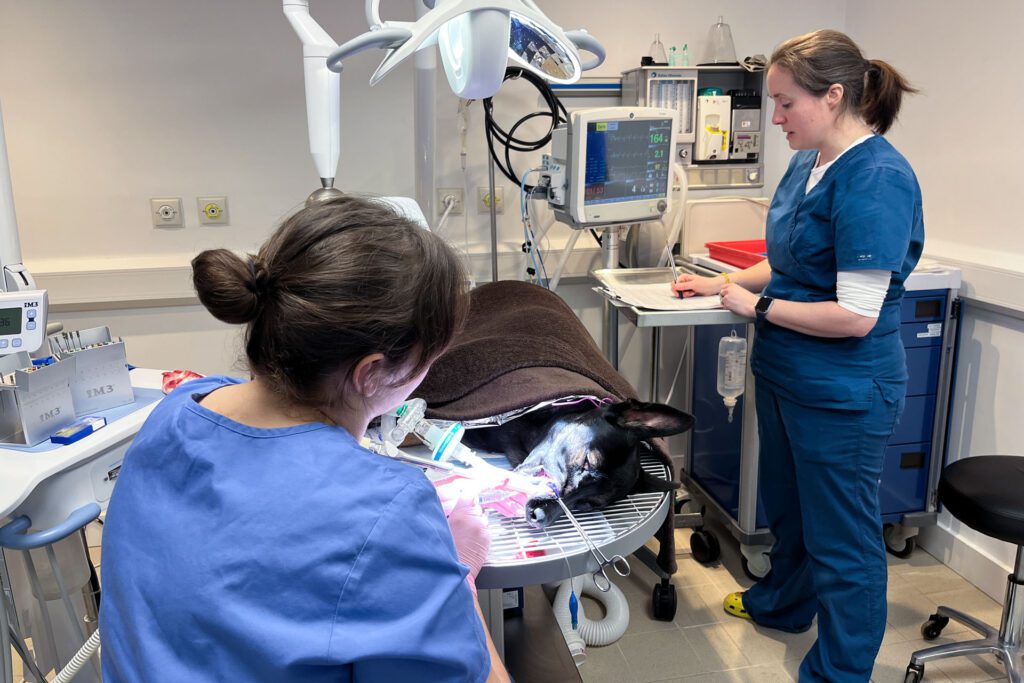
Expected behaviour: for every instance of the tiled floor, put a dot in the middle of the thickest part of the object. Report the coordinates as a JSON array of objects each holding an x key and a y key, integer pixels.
[{"x": 705, "y": 645}]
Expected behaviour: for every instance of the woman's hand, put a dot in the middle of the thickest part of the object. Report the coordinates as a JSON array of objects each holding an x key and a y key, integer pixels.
[
  {"x": 694, "y": 285},
  {"x": 470, "y": 533},
  {"x": 738, "y": 300}
]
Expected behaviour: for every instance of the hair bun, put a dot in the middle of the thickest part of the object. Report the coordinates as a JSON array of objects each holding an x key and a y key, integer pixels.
[{"x": 231, "y": 289}]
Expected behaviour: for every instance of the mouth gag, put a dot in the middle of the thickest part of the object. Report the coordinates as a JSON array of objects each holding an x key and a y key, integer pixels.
[{"x": 618, "y": 562}]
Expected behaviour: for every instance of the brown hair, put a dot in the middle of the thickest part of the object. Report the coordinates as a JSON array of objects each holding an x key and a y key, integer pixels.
[
  {"x": 873, "y": 89},
  {"x": 336, "y": 282}
]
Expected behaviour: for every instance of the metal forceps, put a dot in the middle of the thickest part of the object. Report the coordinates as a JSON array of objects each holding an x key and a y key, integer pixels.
[{"x": 618, "y": 562}]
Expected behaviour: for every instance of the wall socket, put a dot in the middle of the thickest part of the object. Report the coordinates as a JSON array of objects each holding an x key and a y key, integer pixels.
[
  {"x": 460, "y": 200},
  {"x": 166, "y": 212},
  {"x": 483, "y": 203},
  {"x": 212, "y": 210}
]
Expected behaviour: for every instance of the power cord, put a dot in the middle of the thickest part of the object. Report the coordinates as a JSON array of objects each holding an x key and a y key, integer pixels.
[{"x": 498, "y": 136}]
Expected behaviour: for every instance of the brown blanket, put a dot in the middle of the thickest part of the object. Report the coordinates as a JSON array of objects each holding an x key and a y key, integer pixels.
[{"x": 522, "y": 345}]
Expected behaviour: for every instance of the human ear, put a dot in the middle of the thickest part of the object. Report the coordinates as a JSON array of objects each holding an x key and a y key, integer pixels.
[
  {"x": 369, "y": 374},
  {"x": 834, "y": 95}
]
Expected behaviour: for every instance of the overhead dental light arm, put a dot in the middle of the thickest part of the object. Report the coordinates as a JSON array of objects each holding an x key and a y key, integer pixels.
[
  {"x": 585, "y": 41},
  {"x": 16, "y": 277},
  {"x": 478, "y": 40},
  {"x": 23, "y": 307},
  {"x": 323, "y": 95}
]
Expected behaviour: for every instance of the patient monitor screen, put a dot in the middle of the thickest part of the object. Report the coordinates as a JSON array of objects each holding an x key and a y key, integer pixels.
[{"x": 627, "y": 160}]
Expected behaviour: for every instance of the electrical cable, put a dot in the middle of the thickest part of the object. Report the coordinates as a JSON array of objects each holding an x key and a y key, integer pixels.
[{"x": 495, "y": 134}]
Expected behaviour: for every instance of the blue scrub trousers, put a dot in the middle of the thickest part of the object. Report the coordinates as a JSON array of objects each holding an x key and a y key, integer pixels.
[{"x": 819, "y": 477}]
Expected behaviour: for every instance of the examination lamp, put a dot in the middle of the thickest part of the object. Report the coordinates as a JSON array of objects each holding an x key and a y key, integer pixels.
[{"x": 477, "y": 39}]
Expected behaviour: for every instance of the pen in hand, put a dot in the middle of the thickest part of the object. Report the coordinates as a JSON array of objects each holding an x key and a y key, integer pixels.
[{"x": 675, "y": 273}]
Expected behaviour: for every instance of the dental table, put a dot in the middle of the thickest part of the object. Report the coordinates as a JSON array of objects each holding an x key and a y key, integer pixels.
[
  {"x": 53, "y": 491},
  {"x": 524, "y": 556}
]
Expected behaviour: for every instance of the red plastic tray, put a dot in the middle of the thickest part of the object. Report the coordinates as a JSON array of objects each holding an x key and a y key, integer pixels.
[{"x": 740, "y": 253}]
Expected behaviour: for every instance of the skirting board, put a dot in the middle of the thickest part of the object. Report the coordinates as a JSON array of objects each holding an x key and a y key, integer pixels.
[{"x": 988, "y": 574}]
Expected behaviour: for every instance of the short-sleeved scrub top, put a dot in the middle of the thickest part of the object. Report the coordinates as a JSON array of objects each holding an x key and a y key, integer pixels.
[
  {"x": 291, "y": 554},
  {"x": 864, "y": 214}
]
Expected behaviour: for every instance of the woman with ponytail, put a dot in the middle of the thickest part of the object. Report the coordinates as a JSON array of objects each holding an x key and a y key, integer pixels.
[
  {"x": 844, "y": 231},
  {"x": 250, "y": 536}
]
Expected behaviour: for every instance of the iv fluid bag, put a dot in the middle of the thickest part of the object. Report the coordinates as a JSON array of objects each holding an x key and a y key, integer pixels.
[{"x": 732, "y": 369}]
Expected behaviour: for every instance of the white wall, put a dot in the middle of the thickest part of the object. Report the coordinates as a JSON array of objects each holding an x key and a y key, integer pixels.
[
  {"x": 971, "y": 183},
  {"x": 109, "y": 103}
]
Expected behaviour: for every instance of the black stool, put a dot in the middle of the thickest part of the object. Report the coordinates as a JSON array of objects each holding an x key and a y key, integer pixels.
[{"x": 987, "y": 494}]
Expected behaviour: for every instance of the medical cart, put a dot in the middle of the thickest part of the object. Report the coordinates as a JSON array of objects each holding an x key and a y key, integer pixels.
[{"x": 721, "y": 464}]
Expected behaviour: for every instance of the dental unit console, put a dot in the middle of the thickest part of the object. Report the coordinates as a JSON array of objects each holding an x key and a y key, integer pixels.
[
  {"x": 611, "y": 166},
  {"x": 22, "y": 320}
]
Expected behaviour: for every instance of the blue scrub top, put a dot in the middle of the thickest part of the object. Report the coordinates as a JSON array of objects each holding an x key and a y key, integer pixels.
[
  {"x": 864, "y": 214},
  {"x": 292, "y": 554}
]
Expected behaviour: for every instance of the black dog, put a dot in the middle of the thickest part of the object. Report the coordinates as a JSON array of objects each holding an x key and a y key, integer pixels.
[{"x": 593, "y": 452}]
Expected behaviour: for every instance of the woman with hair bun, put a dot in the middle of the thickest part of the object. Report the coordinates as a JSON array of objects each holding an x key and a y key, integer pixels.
[
  {"x": 844, "y": 231},
  {"x": 250, "y": 537}
]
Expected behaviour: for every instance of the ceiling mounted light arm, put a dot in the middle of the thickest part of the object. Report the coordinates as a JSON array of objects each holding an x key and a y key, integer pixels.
[
  {"x": 373, "y": 14},
  {"x": 478, "y": 39},
  {"x": 585, "y": 41},
  {"x": 323, "y": 92},
  {"x": 388, "y": 38}
]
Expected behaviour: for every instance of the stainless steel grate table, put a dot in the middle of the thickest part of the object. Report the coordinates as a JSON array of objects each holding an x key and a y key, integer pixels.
[{"x": 524, "y": 556}]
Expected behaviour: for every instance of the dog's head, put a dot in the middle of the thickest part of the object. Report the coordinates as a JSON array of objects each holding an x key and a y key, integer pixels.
[{"x": 594, "y": 455}]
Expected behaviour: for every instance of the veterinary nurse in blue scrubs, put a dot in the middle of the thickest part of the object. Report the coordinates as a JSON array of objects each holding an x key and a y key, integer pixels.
[
  {"x": 250, "y": 536},
  {"x": 844, "y": 232}
]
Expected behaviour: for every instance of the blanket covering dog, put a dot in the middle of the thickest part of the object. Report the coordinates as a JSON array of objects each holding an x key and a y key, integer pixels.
[{"x": 523, "y": 345}]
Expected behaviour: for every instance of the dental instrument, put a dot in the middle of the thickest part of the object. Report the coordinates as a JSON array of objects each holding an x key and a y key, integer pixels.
[{"x": 618, "y": 562}]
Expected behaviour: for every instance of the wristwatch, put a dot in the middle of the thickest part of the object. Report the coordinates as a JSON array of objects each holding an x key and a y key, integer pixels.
[{"x": 762, "y": 306}]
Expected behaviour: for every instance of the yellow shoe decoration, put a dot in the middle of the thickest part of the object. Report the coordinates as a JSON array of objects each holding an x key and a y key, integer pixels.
[{"x": 733, "y": 604}]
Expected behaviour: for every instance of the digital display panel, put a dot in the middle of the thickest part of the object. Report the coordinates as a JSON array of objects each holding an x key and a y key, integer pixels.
[
  {"x": 10, "y": 321},
  {"x": 627, "y": 160}
]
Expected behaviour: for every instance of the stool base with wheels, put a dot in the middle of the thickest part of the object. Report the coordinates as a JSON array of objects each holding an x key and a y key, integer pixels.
[{"x": 985, "y": 493}]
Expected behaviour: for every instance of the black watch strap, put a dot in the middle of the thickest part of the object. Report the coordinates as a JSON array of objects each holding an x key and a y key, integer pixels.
[{"x": 762, "y": 306}]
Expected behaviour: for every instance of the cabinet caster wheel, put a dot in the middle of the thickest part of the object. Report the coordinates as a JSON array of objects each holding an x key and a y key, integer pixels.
[
  {"x": 932, "y": 629},
  {"x": 901, "y": 548},
  {"x": 751, "y": 574},
  {"x": 663, "y": 601},
  {"x": 915, "y": 673},
  {"x": 704, "y": 546}
]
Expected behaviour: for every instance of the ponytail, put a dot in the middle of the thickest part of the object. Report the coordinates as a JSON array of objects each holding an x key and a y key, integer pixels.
[{"x": 883, "y": 94}]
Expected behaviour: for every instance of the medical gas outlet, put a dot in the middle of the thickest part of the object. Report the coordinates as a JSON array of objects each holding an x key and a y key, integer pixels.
[
  {"x": 452, "y": 197},
  {"x": 212, "y": 210},
  {"x": 166, "y": 213},
  {"x": 484, "y": 200}
]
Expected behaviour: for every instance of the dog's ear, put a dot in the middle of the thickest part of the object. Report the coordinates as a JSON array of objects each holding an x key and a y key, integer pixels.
[
  {"x": 647, "y": 483},
  {"x": 648, "y": 420}
]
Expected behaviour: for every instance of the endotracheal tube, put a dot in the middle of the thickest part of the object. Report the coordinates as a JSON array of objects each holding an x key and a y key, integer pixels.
[{"x": 732, "y": 369}]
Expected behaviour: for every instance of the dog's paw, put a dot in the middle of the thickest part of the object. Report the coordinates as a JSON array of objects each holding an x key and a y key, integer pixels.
[{"x": 542, "y": 512}]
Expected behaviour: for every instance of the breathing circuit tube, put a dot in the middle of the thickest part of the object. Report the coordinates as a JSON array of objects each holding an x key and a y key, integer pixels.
[{"x": 597, "y": 632}]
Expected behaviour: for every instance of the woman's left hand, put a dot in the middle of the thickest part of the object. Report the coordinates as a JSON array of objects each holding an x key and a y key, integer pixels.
[{"x": 738, "y": 300}]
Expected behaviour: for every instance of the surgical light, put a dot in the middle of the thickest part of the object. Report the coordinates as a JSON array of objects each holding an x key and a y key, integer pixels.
[{"x": 477, "y": 39}]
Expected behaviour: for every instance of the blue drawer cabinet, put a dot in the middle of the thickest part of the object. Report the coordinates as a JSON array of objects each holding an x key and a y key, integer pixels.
[
  {"x": 904, "y": 484},
  {"x": 721, "y": 465}
]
